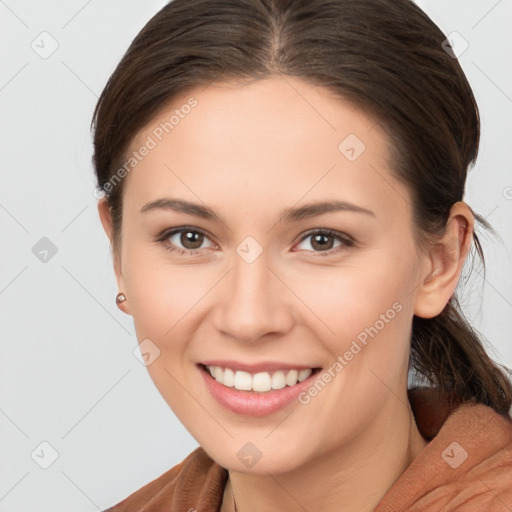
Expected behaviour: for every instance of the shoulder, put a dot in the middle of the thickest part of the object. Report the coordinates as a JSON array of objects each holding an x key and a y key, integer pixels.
[
  {"x": 197, "y": 482},
  {"x": 466, "y": 466}
]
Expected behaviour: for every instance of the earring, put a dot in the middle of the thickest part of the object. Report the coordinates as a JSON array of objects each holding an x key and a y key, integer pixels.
[{"x": 121, "y": 297}]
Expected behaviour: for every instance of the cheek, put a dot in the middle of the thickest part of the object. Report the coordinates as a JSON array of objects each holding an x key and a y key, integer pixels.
[
  {"x": 348, "y": 300},
  {"x": 168, "y": 302},
  {"x": 163, "y": 302},
  {"x": 366, "y": 314},
  {"x": 156, "y": 292},
  {"x": 160, "y": 299}
]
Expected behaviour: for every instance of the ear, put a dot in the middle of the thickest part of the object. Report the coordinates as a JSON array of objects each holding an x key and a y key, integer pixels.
[
  {"x": 106, "y": 221},
  {"x": 445, "y": 261}
]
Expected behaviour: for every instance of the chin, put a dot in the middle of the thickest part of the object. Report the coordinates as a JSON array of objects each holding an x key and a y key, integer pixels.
[{"x": 257, "y": 458}]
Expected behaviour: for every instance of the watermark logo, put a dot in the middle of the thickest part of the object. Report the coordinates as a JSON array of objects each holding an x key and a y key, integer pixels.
[
  {"x": 44, "y": 455},
  {"x": 352, "y": 147},
  {"x": 45, "y": 45},
  {"x": 249, "y": 250},
  {"x": 146, "y": 352},
  {"x": 44, "y": 250},
  {"x": 455, "y": 45},
  {"x": 454, "y": 455},
  {"x": 249, "y": 454}
]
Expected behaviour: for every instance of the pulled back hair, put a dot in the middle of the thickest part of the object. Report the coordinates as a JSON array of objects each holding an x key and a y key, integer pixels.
[{"x": 386, "y": 58}]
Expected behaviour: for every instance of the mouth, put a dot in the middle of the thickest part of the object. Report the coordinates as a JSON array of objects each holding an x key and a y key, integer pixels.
[
  {"x": 258, "y": 382},
  {"x": 256, "y": 393}
]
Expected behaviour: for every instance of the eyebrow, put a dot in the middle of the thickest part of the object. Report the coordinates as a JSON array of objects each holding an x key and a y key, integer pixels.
[{"x": 287, "y": 216}]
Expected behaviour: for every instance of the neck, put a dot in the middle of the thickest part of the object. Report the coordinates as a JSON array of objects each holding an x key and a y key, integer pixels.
[{"x": 379, "y": 456}]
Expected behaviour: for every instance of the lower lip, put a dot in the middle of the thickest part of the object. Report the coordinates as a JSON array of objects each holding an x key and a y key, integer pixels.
[{"x": 251, "y": 403}]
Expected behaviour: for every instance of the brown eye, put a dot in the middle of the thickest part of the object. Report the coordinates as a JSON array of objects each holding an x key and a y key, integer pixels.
[
  {"x": 324, "y": 240},
  {"x": 185, "y": 240},
  {"x": 191, "y": 239}
]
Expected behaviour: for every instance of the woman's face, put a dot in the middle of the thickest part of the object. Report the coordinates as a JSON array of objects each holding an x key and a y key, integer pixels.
[{"x": 251, "y": 285}]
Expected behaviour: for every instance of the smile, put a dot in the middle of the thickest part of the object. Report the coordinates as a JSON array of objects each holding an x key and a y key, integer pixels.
[
  {"x": 257, "y": 393},
  {"x": 260, "y": 382}
]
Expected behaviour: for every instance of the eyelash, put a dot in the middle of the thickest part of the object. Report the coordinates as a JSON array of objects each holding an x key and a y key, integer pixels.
[{"x": 163, "y": 238}]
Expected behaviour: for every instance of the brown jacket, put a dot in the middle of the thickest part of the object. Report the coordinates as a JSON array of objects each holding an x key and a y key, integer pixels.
[{"x": 466, "y": 467}]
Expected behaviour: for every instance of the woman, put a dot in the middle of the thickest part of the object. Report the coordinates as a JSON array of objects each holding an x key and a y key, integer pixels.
[{"x": 284, "y": 187}]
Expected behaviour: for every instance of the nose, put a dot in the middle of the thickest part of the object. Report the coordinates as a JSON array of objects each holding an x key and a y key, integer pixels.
[{"x": 253, "y": 302}]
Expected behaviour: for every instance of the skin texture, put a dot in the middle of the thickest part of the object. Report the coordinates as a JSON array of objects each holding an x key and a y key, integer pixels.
[{"x": 248, "y": 152}]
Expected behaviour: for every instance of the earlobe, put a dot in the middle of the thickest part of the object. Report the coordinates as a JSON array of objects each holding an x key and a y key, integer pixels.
[
  {"x": 122, "y": 303},
  {"x": 445, "y": 261}
]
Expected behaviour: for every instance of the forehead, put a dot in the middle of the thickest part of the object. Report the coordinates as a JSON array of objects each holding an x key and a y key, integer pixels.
[
  {"x": 274, "y": 138},
  {"x": 278, "y": 112}
]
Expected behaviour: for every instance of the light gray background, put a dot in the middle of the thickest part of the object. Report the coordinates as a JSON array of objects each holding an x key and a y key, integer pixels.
[{"x": 68, "y": 375}]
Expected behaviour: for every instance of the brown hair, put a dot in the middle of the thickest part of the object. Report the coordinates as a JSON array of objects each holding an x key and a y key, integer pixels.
[{"x": 383, "y": 56}]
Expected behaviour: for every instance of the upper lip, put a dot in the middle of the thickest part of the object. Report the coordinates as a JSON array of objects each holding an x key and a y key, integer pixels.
[{"x": 264, "y": 366}]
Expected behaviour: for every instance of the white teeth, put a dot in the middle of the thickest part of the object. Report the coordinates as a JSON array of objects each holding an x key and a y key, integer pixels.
[
  {"x": 278, "y": 380},
  {"x": 228, "y": 378},
  {"x": 243, "y": 381},
  {"x": 217, "y": 374},
  {"x": 261, "y": 381},
  {"x": 291, "y": 378},
  {"x": 304, "y": 374}
]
